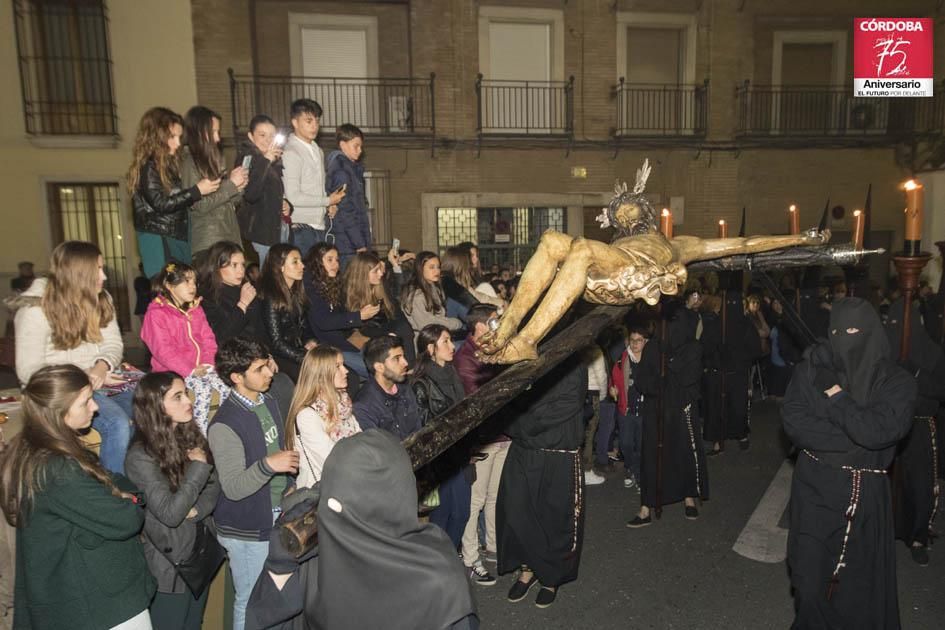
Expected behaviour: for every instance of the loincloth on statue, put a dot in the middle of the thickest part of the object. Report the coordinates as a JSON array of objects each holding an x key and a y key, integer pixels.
[{"x": 642, "y": 278}]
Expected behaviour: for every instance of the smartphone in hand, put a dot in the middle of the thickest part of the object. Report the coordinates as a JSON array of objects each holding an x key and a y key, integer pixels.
[
  {"x": 247, "y": 161},
  {"x": 396, "y": 246}
]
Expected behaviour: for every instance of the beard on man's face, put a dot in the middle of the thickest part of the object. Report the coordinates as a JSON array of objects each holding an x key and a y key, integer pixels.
[{"x": 394, "y": 377}]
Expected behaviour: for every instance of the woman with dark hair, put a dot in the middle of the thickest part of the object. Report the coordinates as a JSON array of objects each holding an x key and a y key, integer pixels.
[
  {"x": 423, "y": 300},
  {"x": 264, "y": 213},
  {"x": 171, "y": 464},
  {"x": 365, "y": 281},
  {"x": 79, "y": 562},
  {"x": 229, "y": 301},
  {"x": 69, "y": 317},
  {"x": 160, "y": 198},
  {"x": 213, "y": 217},
  {"x": 180, "y": 340},
  {"x": 438, "y": 387},
  {"x": 284, "y": 308},
  {"x": 327, "y": 317}
]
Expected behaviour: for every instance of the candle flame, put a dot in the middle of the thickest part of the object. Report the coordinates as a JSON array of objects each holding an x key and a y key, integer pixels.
[
  {"x": 792, "y": 208},
  {"x": 721, "y": 221},
  {"x": 665, "y": 212},
  {"x": 857, "y": 213},
  {"x": 912, "y": 185}
]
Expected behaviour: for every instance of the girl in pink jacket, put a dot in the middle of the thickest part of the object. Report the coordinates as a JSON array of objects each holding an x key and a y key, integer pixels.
[{"x": 176, "y": 331}]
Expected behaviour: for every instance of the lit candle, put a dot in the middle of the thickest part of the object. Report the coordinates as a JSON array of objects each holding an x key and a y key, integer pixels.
[
  {"x": 914, "y": 194},
  {"x": 666, "y": 223},
  {"x": 858, "y": 221},
  {"x": 723, "y": 229},
  {"x": 794, "y": 218}
]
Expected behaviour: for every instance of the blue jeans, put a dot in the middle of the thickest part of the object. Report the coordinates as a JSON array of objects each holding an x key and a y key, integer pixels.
[
  {"x": 453, "y": 512},
  {"x": 305, "y": 237},
  {"x": 247, "y": 560},
  {"x": 605, "y": 430},
  {"x": 261, "y": 251},
  {"x": 355, "y": 362},
  {"x": 113, "y": 423},
  {"x": 631, "y": 439}
]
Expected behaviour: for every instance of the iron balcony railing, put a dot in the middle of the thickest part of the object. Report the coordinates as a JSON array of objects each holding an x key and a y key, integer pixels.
[
  {"x": 657, "y": 110},
  {"x": 833, "y": 111},
  {"x": 525, "y": 107},
  {"x": 379, "y": 106}
]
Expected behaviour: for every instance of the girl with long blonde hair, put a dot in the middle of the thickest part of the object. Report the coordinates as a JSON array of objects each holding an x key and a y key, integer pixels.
[
  {"x": 57, "y": 494},
  {"x": 160, "y": 199},
  {"x": 68, "y": 317},
  {"x": 321, "y": 413}
]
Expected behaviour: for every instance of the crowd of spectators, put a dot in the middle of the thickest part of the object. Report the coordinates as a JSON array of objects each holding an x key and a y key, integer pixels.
[{"x": 252, "y": 381}]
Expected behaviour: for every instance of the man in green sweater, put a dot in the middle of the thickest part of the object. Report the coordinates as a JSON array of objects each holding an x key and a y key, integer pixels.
[{"x": 246, "y": 438}]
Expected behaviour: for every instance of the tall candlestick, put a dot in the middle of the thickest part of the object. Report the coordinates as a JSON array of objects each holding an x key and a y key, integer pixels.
[
  {"x": 914, "y": 202},
  {"x": 858, "y": 223},
  {"x": 666, "y": 223},
  {"x": 794, "y": 218},
  {"x": 723, "y": 229}
]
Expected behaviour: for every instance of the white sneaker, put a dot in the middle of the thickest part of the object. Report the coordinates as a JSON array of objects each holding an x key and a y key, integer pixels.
[{"x": 591, "y": 478}]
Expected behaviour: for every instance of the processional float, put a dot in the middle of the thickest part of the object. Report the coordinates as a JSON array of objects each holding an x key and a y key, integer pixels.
[{"x": 640, "y": 264}]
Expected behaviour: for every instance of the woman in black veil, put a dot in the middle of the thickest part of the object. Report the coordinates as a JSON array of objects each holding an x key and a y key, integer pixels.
[{"x": 376, "y": 565}]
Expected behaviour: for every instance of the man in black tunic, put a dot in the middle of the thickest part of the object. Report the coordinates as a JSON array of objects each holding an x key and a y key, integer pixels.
[
  {"x": 741, "y": 349},
  {"x": 915, "y": 474},
  {"x": 540, "y": 507},
  {"x": 846, "y": 408},
  {"x": 683, "y": 472}
]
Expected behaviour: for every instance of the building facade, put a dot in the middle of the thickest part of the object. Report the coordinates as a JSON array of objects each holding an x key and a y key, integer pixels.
[
  {"x": 79, "y": 75},
  {"x": 490, "y": 121}
]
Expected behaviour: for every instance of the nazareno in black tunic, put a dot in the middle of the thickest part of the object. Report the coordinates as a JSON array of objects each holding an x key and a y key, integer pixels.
[
  {"x": 915, "y": 470},
  {"x": 840, "y": 547},
  {"x": 540, "y": 507},
  {"x": 684, "y": 471}
]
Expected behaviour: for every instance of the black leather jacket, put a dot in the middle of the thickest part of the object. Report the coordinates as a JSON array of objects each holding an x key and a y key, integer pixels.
[
  {"x": 286, "y": 331},
  {"x": 437, "y": 390},
  {"x": 158, "y": 211}
]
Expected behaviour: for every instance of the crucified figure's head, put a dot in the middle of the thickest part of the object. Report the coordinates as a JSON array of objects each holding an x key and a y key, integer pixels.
[{"x": 630, "y": 211}]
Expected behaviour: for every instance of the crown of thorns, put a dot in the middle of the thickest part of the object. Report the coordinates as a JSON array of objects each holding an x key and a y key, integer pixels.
[{"x": 623, "y": 195}]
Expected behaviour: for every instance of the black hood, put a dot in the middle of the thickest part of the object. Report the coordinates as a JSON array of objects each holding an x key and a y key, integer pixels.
[
  {"x": 378, "y": 566},
  {"x": 924, "y": 353},
  {"x": 858, "y": 356}
]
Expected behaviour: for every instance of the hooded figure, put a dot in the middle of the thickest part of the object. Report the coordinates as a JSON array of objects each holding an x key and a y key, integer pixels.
[
  {"x": 914, "y": 477},
  {"x": 684, "y": 474},
  {"x": 376, "y": 566},
  {"x": 846, "y": 408}
]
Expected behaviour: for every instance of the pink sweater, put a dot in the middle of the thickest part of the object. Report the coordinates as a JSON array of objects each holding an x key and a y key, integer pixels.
[{"x": 179, "y": 341}]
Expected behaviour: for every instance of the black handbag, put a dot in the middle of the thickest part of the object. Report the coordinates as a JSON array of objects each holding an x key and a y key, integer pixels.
[{"x": 200, "y": 567}]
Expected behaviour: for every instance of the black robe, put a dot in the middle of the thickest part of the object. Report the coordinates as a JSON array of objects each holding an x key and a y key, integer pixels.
[
  {"x": 848, "y": 441},
  {"x": 914, "y": 472},
  {"x": 540, "y": 507},
  {"x": 684, "y": 472},
  {"x": 711, "y": 341},
  {"x": 741, "y": 349}
]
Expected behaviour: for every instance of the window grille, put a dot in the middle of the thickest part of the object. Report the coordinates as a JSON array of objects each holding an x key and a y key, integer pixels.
[
  {"x": 65, "y": 67},
  {"x": 92, "y": 212}
]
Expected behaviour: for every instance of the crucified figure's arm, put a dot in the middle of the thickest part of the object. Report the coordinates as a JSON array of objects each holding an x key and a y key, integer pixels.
[{"x": 691, "y": 248}]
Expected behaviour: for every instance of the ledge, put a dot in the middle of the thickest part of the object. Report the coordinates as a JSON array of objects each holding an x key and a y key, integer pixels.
[{"x": 74, "y": 141}]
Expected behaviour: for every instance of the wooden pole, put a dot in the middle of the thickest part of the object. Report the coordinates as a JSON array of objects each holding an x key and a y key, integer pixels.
[
  {"x": 908, "y": 268},
  {"x": 661, "y": 412},
  {"x": 723, "y": 410}
]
